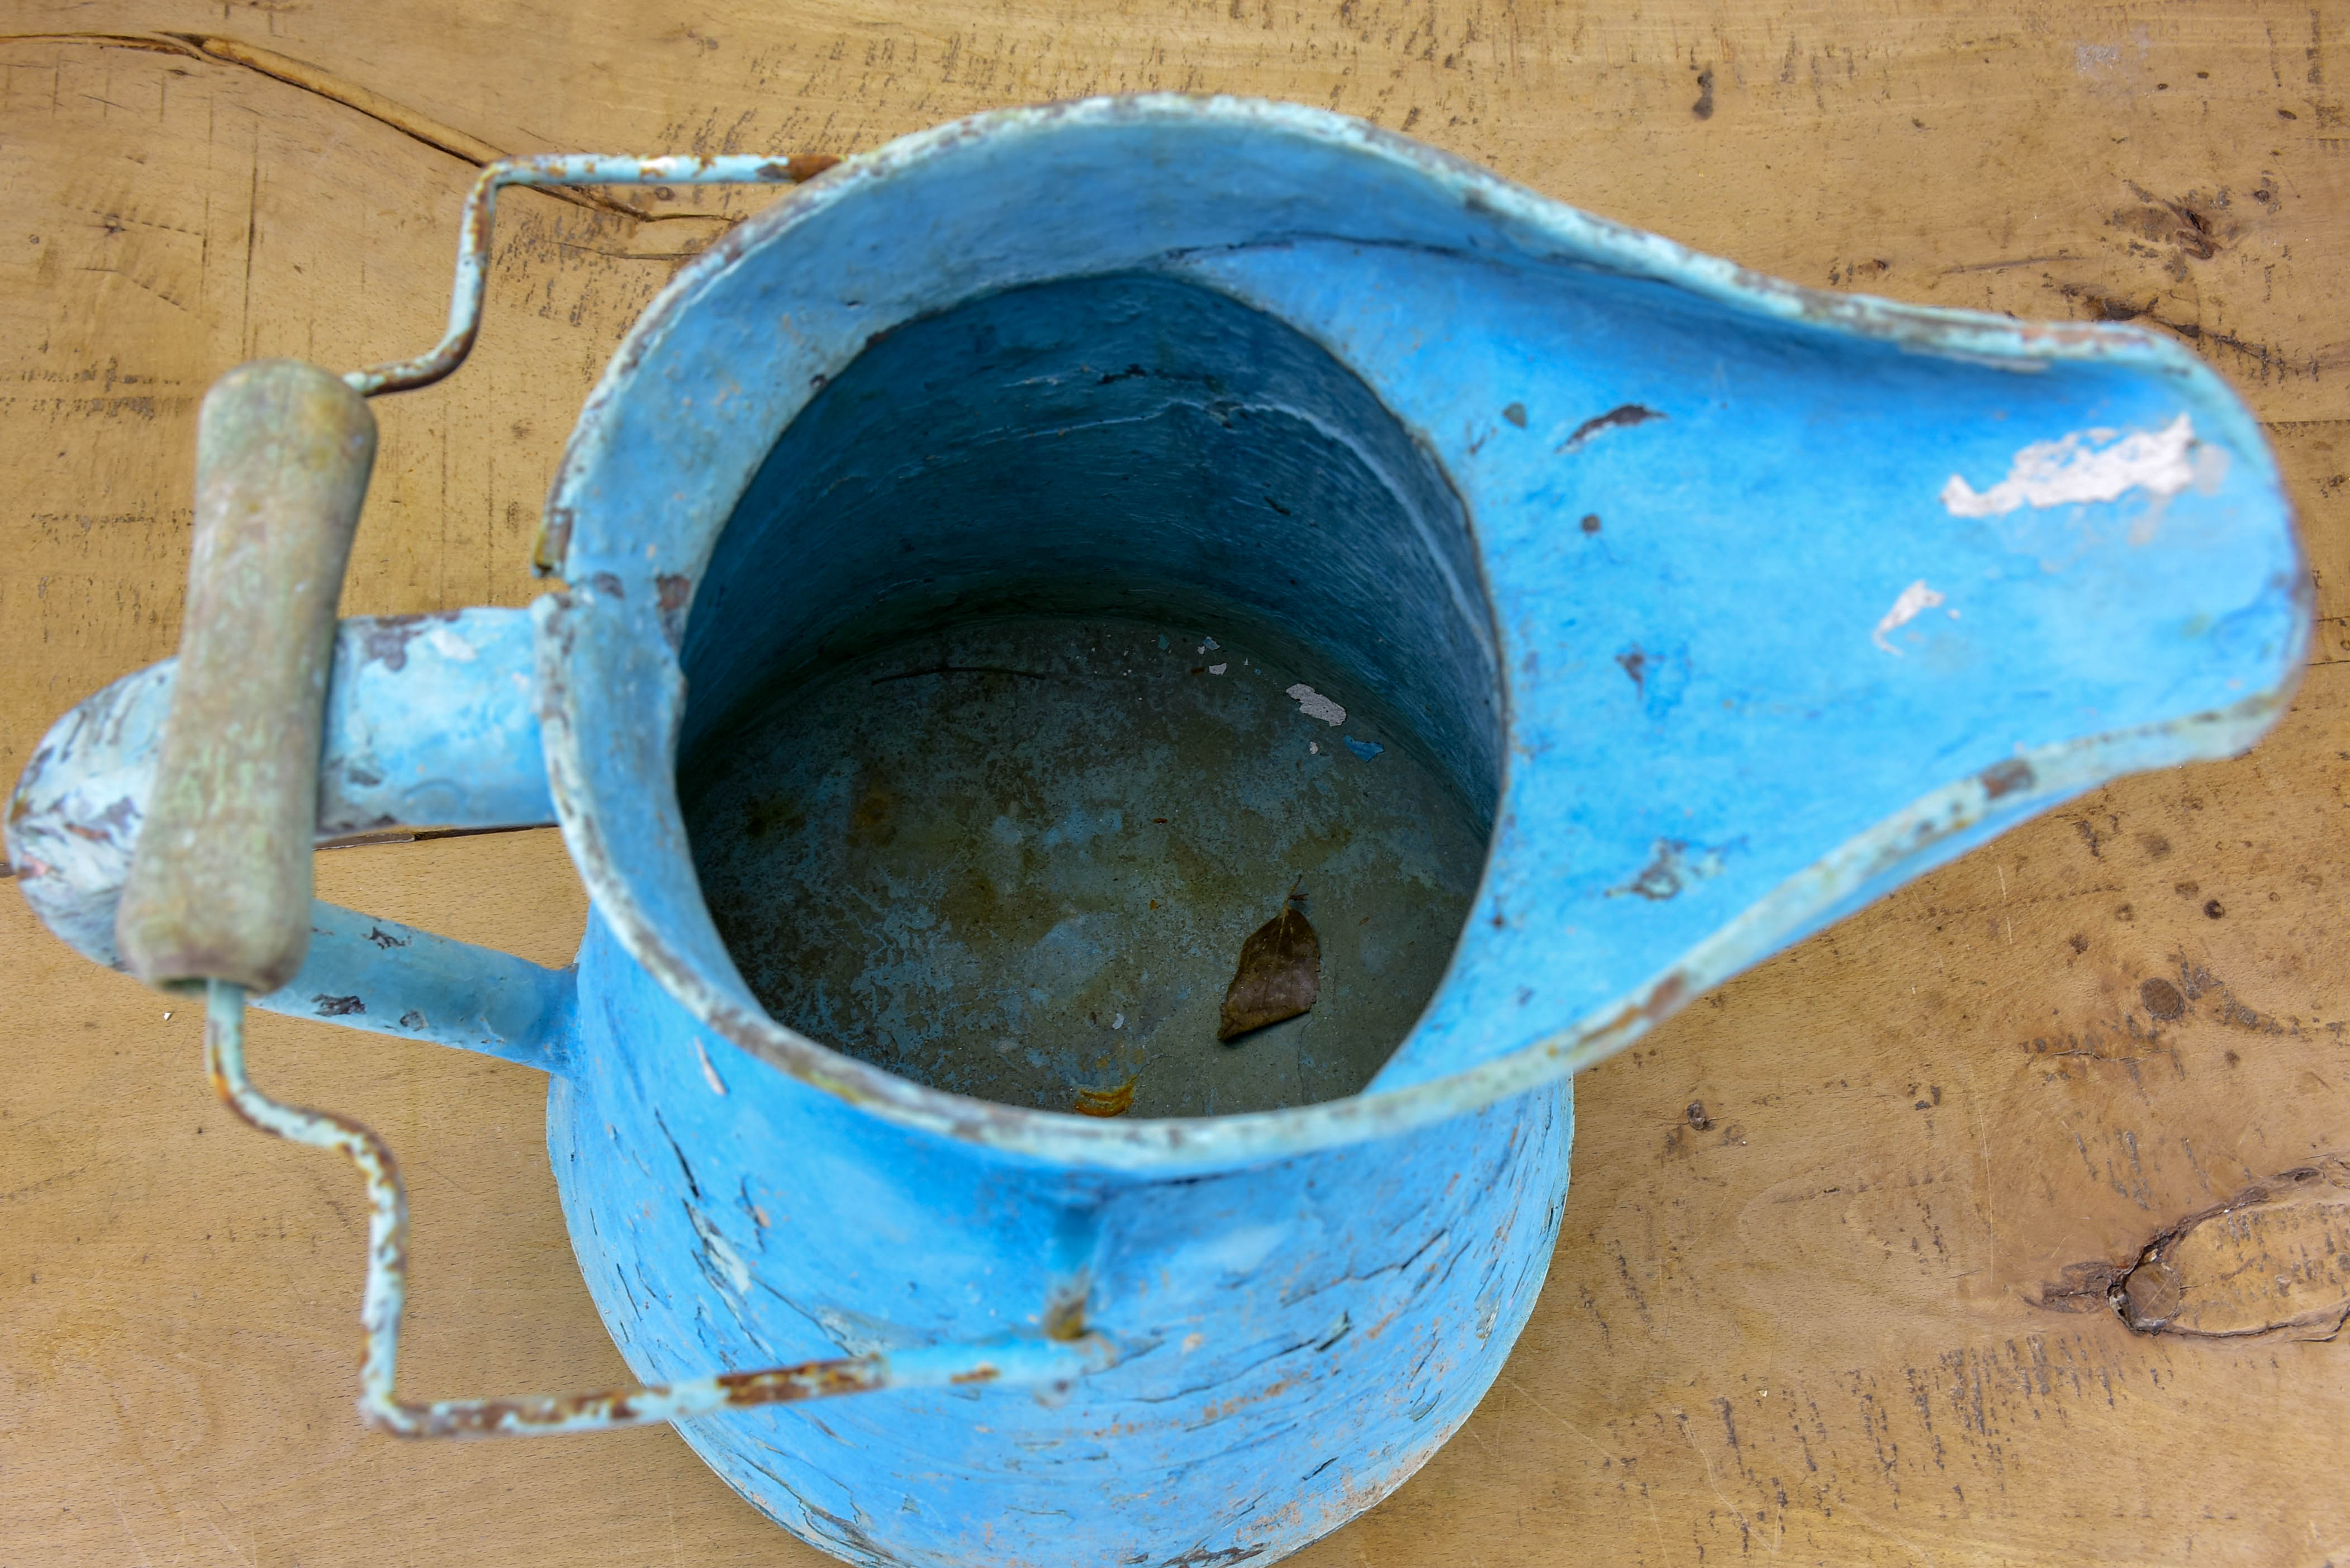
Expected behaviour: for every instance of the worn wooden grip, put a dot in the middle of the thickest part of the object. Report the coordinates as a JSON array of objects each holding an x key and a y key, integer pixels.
[{"x": 220, "y": 884}]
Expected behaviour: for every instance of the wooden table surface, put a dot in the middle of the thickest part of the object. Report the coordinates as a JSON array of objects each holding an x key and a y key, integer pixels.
[{"x": 1833, "y": 1281}]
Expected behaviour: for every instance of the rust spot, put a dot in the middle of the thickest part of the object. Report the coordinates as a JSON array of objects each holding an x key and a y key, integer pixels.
[
  {"x": 337, "y": 1006},
  {"x": 1622, "y": 414},
  {"x": 553, "y": 539},
  {"x": 1665, "y": 999},
  {"x": 2161, "y": 999},
  {"x": 798, "y": 166},
  {"x": 980, "y": 1374},
  {"x": 1672, "y": 868},
  {"x": 1661, "y": 878},
  {"x": 385, "y": 642},
  {"x": 1106, "y": 1102},
  {"x": 116, "y": 818},
  {"x": 873, "y": 821},
  {"x": 1065, "y": 1310},
  {"x": 808, "y": 1381},
  {"x": 673, "y": 589},
  {"x": 2007, "y": 777},
  {"x": 607, "y": 583}
]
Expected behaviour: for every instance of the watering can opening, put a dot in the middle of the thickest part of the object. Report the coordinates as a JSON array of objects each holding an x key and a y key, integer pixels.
[
  {"x": 1060, "y": 638},
  {"x": 1793, "y": 596}
]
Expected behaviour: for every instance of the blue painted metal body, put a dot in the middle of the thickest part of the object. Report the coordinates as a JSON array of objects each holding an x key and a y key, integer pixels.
[{"x": 1783, "y": 598}]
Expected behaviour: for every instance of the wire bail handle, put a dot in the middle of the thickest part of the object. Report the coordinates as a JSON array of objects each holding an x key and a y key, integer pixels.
[{"x": 219, "y": 887}]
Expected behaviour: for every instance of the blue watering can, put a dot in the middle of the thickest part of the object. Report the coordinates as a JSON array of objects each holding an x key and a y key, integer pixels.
[{"x": 1624, "y": 616}]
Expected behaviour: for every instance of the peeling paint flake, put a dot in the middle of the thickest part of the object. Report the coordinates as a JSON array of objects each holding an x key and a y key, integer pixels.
[
  {"x": 1622, "y": 415},
  {"x": 1674, "y": 866},
  {"x": 450, "y": 646},
  {"x": 709, "y": 1074},
  {"x": 1313, "y": 705},
  {"x": 1914, "y": 600},
  {"x": 2078, "y": 471}
]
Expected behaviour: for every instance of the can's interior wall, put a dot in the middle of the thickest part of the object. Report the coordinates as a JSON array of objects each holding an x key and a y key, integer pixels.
[{"x": 1130, "y": 445}]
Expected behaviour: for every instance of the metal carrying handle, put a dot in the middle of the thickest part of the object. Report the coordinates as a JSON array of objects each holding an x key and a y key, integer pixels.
[
  {"x": 558, "y": 168},
  {"x": 1064, "y": 1352},
  {"x": 219, "y": 891}
]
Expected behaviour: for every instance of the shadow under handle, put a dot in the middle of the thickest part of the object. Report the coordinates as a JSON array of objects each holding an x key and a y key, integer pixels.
[{"x": 220, "y": 884}]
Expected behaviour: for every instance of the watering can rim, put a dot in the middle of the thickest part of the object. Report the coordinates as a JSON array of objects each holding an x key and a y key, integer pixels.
[{"x": 1166, "y": 1144}]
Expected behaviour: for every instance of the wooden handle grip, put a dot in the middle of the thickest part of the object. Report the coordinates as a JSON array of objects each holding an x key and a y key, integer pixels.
[{"x": 220, "y": 884}]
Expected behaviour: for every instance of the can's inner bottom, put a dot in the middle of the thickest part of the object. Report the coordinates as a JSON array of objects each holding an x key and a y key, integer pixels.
[{"x": 1017, "y": 860}]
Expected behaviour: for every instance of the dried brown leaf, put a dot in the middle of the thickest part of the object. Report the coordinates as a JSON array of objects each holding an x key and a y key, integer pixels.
[{"x": 1279, "y": 976}]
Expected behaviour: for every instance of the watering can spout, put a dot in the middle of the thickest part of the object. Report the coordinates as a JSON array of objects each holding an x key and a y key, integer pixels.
[
  {"x": 1806, "y": 614},
  {"x": 1727, "y": 604}
]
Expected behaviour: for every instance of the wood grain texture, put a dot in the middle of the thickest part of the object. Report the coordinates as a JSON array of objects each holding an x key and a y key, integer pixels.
[{"x": 1833, "y": 1285}]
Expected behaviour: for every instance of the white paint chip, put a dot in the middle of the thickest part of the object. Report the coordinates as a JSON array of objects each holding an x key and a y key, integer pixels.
[
  {"x": 450, "y": 646},
  {"x": 1217, "y": 668},
  {"x": 709, "y": 1074},
  {"x": 1313, "y": 705},
  {"x": 721, "y": 1253},
  {"x": 1914, "y": 600},
  {"x": 2077, "y": 469},
  {"x": 1119, "y": 1022}
]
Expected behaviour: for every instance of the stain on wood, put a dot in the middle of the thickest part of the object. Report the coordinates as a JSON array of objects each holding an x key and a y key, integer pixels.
[{"x": 2274, "y": 1259}]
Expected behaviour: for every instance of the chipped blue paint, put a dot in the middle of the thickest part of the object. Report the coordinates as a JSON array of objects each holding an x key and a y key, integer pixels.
[
  {"x": 433, "y": 724},
  {"x": 430, "y": 722},
  {"x": 1753, "y": 659}
]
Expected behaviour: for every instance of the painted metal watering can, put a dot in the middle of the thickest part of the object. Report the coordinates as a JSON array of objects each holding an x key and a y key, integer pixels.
[{"x": 1722, "y": 605}]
